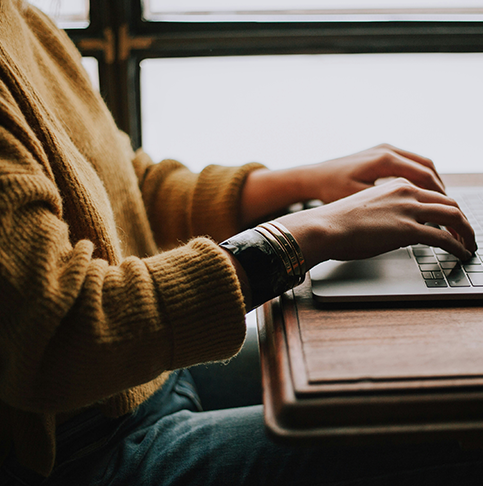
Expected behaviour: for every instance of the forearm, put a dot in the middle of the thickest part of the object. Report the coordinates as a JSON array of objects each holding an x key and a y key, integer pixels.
[
  {"x": 267, "y": 193},
  {"x": 181, "y": 204},
  {"x": 91, "y": 330}
]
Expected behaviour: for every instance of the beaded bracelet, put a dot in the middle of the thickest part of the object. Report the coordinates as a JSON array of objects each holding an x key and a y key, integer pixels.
[{"x": 271, "y": 258}]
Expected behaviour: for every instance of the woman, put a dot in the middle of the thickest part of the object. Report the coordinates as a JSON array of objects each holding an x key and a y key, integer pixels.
[{"x": 96, "y": 317}]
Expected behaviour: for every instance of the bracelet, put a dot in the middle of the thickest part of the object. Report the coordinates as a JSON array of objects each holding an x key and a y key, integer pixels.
[
  {"x": 289, "y": 245},
  {"x": 271, "y": 258},
  {"x": 282, "y": 253}
]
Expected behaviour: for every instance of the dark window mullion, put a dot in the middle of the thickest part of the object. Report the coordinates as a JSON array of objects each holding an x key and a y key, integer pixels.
[
  {"x": 100, "y": 40},
  {"x": 241, "y": 38},
  {"x": 186, "y": 39},
  {"x": 128, "y": 102}
]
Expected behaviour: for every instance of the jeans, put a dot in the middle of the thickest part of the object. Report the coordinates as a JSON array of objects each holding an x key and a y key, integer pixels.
[{"x": 169, "y": 441}]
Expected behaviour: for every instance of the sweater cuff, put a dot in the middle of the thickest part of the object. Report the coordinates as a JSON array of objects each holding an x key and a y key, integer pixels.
[
  {"x": 199, "y": 292},
  {"x": 216, "y": 200}
]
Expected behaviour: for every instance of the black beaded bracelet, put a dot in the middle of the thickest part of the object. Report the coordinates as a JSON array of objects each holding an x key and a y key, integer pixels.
[{"x": 264, "y": 263}]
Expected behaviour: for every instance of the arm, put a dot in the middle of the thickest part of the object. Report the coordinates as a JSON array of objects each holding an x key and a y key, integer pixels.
[
  {"x": 181, "y": 204},
  {"x": 379, "y": 218},
  {"x": 79, "y": 322},
  {"x": 268, "y": 192}
]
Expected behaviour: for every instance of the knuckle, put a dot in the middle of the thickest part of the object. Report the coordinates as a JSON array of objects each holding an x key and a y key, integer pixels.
[
  {"x": 386, "y": 156},
  {"x": 453, "y": 202},
  {"x": 403, "y": 187},
  {"x": 446, "y": 237},
  {"x": 430, "y": 163},
  {"x": 455, "y": 213},
  {"x": 385, "y": 153},
  {"x": 427, "y": 176},
  {"x": 410, "y": 226},
  {"x": 385, "y": 146}
]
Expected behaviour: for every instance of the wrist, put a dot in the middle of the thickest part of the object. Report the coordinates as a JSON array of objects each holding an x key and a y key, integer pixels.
[
  {"x": 270, "y": 259},
  {"x": 242, "y": 279},
  {"x": 312, "y": 234},
  {"x": 267, "y": 193}
]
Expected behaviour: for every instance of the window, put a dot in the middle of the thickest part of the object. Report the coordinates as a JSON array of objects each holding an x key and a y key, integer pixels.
[
  {"x": 92, "y": 67},
  {"x": 73, "y": 14},
  {"x": 314, "y": 10},
  {"x": 285, "y": 81},
  {"x": 343, "y": 75},
  {"x": 287, "y": 110}
]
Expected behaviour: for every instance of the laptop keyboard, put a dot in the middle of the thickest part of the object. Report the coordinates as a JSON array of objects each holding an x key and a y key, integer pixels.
[{"x": 440, "y": 269}]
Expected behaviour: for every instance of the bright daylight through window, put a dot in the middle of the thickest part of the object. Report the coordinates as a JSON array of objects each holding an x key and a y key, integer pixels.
[
  {"x": 287, "y": 110},
  {"x": 69, "y": 14},
  {"x": 311, "y": 9}
]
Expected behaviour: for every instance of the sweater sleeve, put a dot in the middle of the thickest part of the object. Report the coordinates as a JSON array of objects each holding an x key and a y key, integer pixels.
[
  {"x": 181, "y": 204},
  {"x": 75, "y": 329}
]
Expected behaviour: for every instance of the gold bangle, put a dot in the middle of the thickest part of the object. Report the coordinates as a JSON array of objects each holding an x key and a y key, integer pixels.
[
  {"x": 264, "y": 268},
  {"x": 295, "y": 245},
  {"x": 286, "y": 247},
  {"x": 282, "y": 254}
]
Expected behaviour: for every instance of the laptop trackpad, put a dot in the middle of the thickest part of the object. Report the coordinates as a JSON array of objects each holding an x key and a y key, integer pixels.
[
  {"x": 382, "y": 275},
  {"x": 401, "y": 254},
  {"x": 369, "y": 268}
]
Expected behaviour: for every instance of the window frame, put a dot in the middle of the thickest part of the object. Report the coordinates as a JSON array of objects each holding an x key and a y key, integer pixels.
[{"x": 120, "y": 39}]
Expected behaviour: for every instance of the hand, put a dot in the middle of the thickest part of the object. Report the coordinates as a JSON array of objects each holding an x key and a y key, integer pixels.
[
  {"x": 267, "y": 192},
  {"x": 342, "y": 177},
  {"x": 381, "y": 219}
]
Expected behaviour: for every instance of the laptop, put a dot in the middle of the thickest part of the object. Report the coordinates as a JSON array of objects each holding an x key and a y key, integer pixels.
[{"x": 417, "y": 273}]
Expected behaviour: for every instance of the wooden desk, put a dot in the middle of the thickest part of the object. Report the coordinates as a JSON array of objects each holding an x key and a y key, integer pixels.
[{"x": 359, "y": 375}]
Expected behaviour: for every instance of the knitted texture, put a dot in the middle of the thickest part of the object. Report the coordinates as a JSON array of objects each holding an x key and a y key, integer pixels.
[{"x": 92, "y": 314}]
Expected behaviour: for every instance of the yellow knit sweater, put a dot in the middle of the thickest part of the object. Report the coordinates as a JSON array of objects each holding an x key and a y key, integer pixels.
[{"x": 91, "y": 313}]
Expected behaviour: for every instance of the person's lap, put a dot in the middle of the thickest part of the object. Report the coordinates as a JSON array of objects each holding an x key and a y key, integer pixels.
[
  {"x": 230, "y": 447},
  {"x": 169, "y": 441}
]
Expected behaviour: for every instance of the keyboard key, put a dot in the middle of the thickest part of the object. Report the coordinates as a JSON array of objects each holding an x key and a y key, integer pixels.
[
  {"x": 473, "y": 268},
  {"x": 429, "y": 268},
  {"x": 427, "y": 275},
  {"x": 449, "y": 265},
  {"x": 438, "y": 275},
  {"x": 447, "y": 258},
  {"x": 436, "y": 283},
  {"x": 419, "y": 252},
  {"x": 476, "y": 279},
  {"x": 457, "y": 278},
  {"x": 426, "y": 259}
]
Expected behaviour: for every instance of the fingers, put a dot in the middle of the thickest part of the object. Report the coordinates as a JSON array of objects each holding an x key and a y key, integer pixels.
[
  {"x": 417, "y": 158},
  {"x": 418, "y": 170},
  {"x": 422, "y": 206},
  {"x": 381, "y": 219},
  {"x": 444, "y": 211},
  {"x": 454, "y": 220},
  {"x": 443, "y": 239}
]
